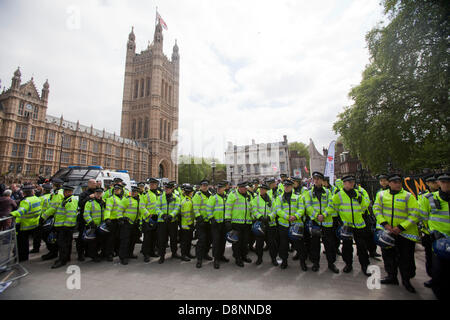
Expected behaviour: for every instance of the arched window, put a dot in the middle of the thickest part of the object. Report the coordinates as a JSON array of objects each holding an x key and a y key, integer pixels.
[
  {"x": 160, "y": 128},
  {"x": 146, "y": 126},
  {"x": 136, "y": 88},
  {"x": 142, "y": 88},
  {"x": 133, "y": 129},
  {"x": 147, "y": 91},
  {"x": 139, "y": 135},
  {"x": 165, "y": 126},
  {"x": 161, "y": 171},
  {"x": 168, "y": 131}
]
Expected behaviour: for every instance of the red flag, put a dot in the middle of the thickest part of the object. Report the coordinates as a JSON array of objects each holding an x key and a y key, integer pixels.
[
  {"x": 163, "y": 23},
  {"x": 306, "y": 170}
]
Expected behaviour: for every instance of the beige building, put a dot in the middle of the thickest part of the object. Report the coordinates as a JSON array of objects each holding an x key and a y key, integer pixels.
[
  {"x": 150, "y": 102},
  {"x": 34, "y": 144}
]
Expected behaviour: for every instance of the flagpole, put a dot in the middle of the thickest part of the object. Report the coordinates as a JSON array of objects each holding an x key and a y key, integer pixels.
[{"x": 156, "y": 16}]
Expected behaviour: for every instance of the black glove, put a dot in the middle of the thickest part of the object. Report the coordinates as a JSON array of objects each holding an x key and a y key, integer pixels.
[
  {"x": 41, "y": 221},
  {"x": 199, "y": 220},
  {"x": 91, "y": 225},
  {"x": 212, "y": 220},
  {"x": 108, "y": 222},
  {"x": 164, "y": 217},
  {"x": 121, "y": 221},
  {"x": 169, "y": 218},
  {"x": 228, "y": 226},
  {"x": 265, "y": 219},
  {"x": 260, "y": 219},
  {"x": 154, "y": 217}
]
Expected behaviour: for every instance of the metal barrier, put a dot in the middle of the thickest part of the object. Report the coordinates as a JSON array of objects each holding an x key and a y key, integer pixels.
[{"x": 10, "y": 269}]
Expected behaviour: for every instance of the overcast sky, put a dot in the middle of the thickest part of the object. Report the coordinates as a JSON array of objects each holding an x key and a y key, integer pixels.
[{"x": 248, "y": 69}]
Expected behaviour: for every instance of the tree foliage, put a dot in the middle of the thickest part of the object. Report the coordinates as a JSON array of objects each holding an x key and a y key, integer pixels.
[
  {"x": 401, "y": 111},
  {"x": 194, "y": 169}
]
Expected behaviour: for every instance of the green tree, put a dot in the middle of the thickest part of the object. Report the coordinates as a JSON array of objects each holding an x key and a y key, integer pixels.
[
  {"x": 302, "y": 150},
  {"x": 194, "y": 169},
  {"x": 401, "y": 111}
]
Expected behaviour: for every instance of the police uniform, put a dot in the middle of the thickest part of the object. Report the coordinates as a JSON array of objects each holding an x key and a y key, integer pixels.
[
  {"x": 114, "y": 210},
  {"x": 94, "y": 216},
  {"x": 187, "y": 217},
  {"x": 398, "y": 209},
  {"x": 435, "y": 210},
  {"x": 203, "y": 225}
]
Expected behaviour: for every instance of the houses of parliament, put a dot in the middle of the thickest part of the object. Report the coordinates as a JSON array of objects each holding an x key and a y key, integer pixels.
[{"x": 33, "y": 143}]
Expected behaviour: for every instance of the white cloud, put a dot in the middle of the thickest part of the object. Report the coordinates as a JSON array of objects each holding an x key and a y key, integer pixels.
[{"x": 249, "y": 69}]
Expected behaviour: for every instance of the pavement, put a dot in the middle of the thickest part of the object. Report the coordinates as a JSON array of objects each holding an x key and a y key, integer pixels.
[{"x": 183, "y": 281}]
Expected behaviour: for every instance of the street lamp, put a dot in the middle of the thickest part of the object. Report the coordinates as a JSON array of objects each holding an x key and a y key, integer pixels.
[{"x": 213, "y": 166}]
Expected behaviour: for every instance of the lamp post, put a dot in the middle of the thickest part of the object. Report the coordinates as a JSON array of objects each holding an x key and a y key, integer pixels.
[
  {"x": 213, "y": 166},
  {"x": 242, "y": 173}
]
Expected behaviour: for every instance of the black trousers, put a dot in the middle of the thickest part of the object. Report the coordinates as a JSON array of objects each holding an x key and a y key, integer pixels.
[
  {"x": 251, "y": 240},
  {"x": 427, "y": 243},
  {"x": 23, "y": 244},
  {"x": 328, "y": 242},
  {"x": 79, "y": 242},
  {"x": 361, "y": 248},
  {"x": 128, "y": 237},
  {"x": 369, "y": 235},
  {"x": 298, "y": 245},
  {"x": 307, "y": 238},
  {"x": 94, "y": 246},
  {"x": 218, "y": 234},
  {"x": 400, "y": 257},
  {"x": 51, "y": 247},
  {"x": 240, "y": 248},
  {"x": 64, "y": 242},
  {"x": 204, "y": 240},
  {"x": 337, "y": 241},
  {"x": 167, "y": 230},
  {"x": 441, "y": 278},
  {"x": 37, "y": 237},
  {"x": 270, "y": 239},
  {"x": 186, "y": 240},
  {"x": 149, "y": 243},
  {"x": 113, "y": 239}
]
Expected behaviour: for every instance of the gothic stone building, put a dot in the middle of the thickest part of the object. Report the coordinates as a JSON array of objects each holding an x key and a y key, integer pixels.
[
  {"x": 150, "y": 103},
  {"x": 34, "y": 144}
]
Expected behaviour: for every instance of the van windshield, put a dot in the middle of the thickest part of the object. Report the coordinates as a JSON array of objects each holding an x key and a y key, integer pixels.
[{"x": 77, "y": 176}]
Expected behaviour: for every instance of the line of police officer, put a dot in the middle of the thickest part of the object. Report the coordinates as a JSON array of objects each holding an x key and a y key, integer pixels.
[{"x": 110, "y": 223}]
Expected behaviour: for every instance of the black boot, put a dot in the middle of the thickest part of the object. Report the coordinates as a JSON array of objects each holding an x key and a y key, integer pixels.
[
  {"x": 81, "y": 257},
  {"x": 190, "y": 256},
  {"x": 315, "y": 267},
  {"x": 284, "y": 264},
  {"x": 161, "y": 259},
  {"x": 428, "y": 284},
  {"x": 223, "y": 259},
  {"x": 348, "y": 268},
  {"x": 216, "y": 264},
  {"x": 199, "y": 264},
  {"x": 49, "y": 256},
  {"x": 247, "y": 260},
  {"x": 296, "y": 257},
  {"x": 208, "y": 257},
  {"x": 34, "y": 250},
  {"x": 364, "y": 270},
  {"x": 184, "y": 258},
  {"x": 259, "y": 261},
  {"x": 390, "y": 279},
  {"x": 303, "y": 265},
  {"x": 239, "y": 263},
  {"x": 333, "y": 268},
  {"x": 275, "y": 262},
  {"x": 408, "y": 286},
  {"x": 124, "y": 261},
  {"x": 58, "y": 264},
  {"x": 146, "y": 258},
  {"x": 109, "y": 258},
  {"x": 175, "y": 256}
]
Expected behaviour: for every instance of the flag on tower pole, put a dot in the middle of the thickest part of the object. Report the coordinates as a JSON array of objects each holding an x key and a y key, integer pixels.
[{"x": 161, "y": 20}]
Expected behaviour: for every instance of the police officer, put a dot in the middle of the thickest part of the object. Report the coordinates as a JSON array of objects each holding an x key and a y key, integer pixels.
[
  {"x": 216, "y": 214},
  {"x": 133, "y": 209},
  {"x": 154, "y": 187},
  {"x": 45, "y": 201},
  {"x": 316, "y": 201},
  {"x": 187, "y": 217},
  {"x": 427, "y": 241},
  {"x": 65, "y": 220},
  {"x": 280, "y": 187},
  {"x": 397, "y": 211},
  {"x": 289, "y": 209},
  {"x": 299, "y": 190},
  {"x": 45, "y": 205},
  {"x": 94, "y": 215},
  {"x": 350, "y": 205},
  {"x": 168, "y": 209},
  {"x": 203, "y": 225},
  {"x": 435, "y": 210},
  {"x": 84, "y": 197},
  {"x": 238, "y": 212},
  {"x": 149, "y": 230},
  {"x": 114, "y": 210},
  {"x": 27, "y": 220}
]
